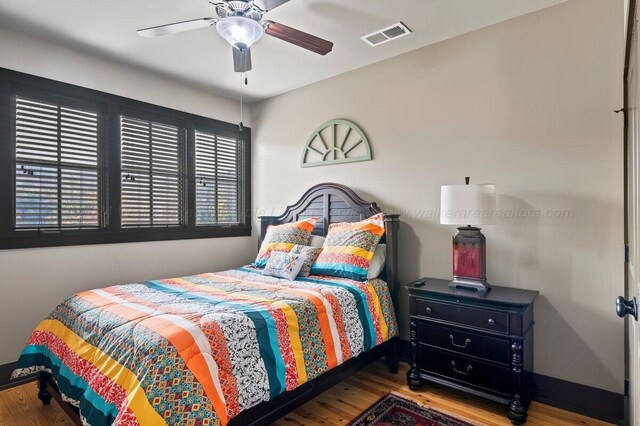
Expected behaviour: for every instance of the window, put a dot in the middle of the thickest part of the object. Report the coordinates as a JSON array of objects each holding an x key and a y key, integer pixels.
[
  {"x": 152, "y": 173},
  {"x": 218, "y": 179},
  {"x": 57, "y": 166},
  {"x": 78, "y": 166}
]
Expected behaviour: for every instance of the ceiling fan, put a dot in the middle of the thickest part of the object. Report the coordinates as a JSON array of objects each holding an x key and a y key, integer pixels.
[{"x": 240, "y": 23}]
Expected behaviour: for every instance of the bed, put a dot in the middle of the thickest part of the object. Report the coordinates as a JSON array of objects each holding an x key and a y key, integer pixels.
[{"x": 231, "y": 348}]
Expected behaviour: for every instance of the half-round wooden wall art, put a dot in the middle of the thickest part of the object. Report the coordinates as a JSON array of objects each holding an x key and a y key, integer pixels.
[{"x": 336, "y": 142}]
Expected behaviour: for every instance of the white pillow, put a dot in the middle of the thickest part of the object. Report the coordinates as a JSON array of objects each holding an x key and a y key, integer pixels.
[
  {"x": 377, "y": 262},
  {"x": 284, "y": 265},
  {"x": 316, "y": 241}
]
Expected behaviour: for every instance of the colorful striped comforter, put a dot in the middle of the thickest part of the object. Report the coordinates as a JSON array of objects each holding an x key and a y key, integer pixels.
[{"x": 198, "y": 350}]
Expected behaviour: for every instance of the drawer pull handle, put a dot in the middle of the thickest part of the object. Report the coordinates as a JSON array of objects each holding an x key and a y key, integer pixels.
[
  {"x": 469, "y": 369},
  {"x": 466, "y": 342},
  {"x": 491, "y": 321},
  {"x": 428, "y": 310}
]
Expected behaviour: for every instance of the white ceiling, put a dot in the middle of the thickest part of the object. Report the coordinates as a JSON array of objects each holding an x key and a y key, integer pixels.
[{"x": 107, "y": 28}]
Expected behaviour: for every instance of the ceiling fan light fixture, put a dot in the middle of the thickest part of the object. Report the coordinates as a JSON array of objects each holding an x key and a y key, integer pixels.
[{"x": 239, "y": 31}]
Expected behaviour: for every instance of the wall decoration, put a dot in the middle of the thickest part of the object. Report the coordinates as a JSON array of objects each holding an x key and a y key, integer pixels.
[{"x": 336, "y": 142}]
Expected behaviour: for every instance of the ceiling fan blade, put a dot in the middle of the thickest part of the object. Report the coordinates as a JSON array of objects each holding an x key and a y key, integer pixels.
[
  {"x": 267, "y": 5},
  {"x": 176, "y": 27},
  {"x": 241, "y": 60},
  {"x": 297, "y": 37}
]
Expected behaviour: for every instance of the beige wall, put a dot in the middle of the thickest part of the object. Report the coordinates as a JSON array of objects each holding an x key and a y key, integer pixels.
[
  {"x": 34, "y": 281},
  {"x": 526, "y": 104}
]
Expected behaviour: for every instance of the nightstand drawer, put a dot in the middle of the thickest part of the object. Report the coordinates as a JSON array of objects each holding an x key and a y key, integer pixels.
[
  {"x": 464, "y": 315},
  {"x": 476, "y": 373},
  {"x": 465, "y": 342}
]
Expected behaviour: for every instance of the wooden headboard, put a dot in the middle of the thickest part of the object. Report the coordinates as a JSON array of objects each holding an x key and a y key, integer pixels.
[{"x": 332, "y": 202}]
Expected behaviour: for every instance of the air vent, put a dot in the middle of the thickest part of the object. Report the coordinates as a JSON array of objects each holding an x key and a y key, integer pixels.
[{"x": 386, "y": 34}]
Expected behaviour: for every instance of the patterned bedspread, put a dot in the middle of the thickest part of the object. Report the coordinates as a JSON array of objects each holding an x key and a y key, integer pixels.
[{"x": 198, "y": 350}]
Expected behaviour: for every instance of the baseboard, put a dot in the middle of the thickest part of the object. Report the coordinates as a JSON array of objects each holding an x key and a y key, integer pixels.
[
  {"x": 5, "y": 376},
  {"x": 593, "y": 402},
  {"x": 586, "y": 400}
]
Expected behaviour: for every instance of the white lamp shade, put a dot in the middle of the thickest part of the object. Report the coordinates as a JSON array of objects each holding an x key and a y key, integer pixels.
[
  {"x": 241, "y": 32},
  {"x": 468, "y": 204}
]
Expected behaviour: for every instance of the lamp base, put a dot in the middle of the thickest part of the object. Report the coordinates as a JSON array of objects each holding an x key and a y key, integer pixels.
[
  {"x": 469, "y": 257},
  {"x": 470, "y": 284}
]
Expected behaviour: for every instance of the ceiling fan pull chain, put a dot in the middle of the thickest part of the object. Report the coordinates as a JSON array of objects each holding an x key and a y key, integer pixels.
[{"x": 240, "y": 126}]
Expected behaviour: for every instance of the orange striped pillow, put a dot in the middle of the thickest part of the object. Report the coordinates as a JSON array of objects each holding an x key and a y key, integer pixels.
[
  {"x": 349, "y": 247},
  {"x": 284, "y": 237}
]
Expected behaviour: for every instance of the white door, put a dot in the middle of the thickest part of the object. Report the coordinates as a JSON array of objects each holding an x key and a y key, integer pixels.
[{"x": 632, "y": 180}]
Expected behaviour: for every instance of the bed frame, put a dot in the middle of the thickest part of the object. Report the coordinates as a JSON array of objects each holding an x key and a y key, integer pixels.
[{"x": 332, "y": 203}]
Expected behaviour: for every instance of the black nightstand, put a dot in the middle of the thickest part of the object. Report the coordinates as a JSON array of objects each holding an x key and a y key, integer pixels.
[{"x": 480, "y": 344}]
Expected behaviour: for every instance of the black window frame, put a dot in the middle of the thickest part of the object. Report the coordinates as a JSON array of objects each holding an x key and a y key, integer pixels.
[{"x": 113, "y": 106}]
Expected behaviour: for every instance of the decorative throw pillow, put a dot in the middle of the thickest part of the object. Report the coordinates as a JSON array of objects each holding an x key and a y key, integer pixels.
[
  {"x": 310, "y": 255},
  {"x": 284, "y": 265},
  {"x": 349, "y": 248},
  {"x": 284, "y": 237},
  {"x": 377, "y": 263},
  {"x": 316, "y": 241}
]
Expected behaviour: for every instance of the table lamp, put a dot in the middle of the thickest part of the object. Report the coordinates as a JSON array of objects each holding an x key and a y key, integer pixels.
[{"x": 469, "y": 205}]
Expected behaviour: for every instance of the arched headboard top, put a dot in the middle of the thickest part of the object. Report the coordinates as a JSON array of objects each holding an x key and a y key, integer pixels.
[{"x": 332, "y": 203}]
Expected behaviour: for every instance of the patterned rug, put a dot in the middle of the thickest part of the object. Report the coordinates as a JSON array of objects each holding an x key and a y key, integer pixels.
[{"x": 394, "y": 410}]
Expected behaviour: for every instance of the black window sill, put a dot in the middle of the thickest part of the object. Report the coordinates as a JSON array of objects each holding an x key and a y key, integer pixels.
[{"x": 77, "y": 238}]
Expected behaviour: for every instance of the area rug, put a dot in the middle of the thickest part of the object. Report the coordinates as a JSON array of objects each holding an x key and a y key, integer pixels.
[{"x": 394, "y": 410}]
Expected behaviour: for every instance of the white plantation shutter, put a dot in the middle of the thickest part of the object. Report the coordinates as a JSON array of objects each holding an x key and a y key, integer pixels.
[
  {"x": 152, "y": 173},
  {"x": 218, "y": 179},
  {"x": 57, "y": 166}
]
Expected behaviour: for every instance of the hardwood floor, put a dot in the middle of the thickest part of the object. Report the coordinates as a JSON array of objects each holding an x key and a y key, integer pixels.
[{"x": 20, "y": 406}]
